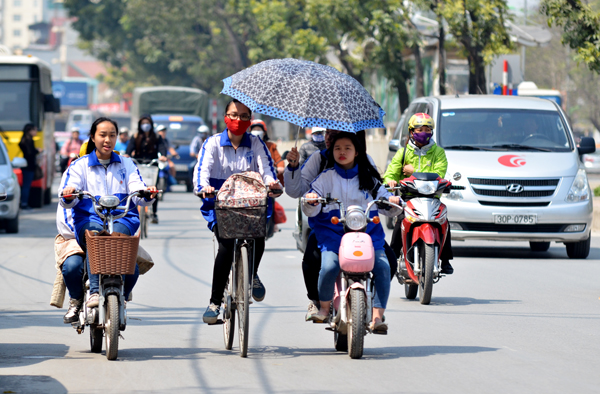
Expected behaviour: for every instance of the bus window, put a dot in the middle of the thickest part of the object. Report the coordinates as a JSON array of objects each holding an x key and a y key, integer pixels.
[{"x": 13, "y": 114}]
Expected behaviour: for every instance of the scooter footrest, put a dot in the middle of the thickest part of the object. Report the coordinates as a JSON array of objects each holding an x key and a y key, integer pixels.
[{"x": 410, "y": 282}]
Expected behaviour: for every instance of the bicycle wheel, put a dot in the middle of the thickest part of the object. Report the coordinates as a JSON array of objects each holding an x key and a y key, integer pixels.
[
  {"x": 96, "y": 339},
  {"x": 243, "y": 299},
  {"x": 111, "y": 327},
  {"x": 229, "y": 313}
]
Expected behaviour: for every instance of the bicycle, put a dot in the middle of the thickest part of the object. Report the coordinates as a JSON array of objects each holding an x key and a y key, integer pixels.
[{"x": 238, "y": 291}]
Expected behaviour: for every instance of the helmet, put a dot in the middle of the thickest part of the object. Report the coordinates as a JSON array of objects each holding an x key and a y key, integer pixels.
[
  {"x": 318, "y": 130},
  {"x": 420, "y": 119},
  {"x": 259, "y": 123},
  {"x": 160, "y": 128},
  {"x": 74, "y": 129},
  {"x": 203, "y": 129}
]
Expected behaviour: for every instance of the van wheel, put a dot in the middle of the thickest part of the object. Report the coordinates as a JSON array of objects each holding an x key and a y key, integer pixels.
[
  {"x": 12, "y": 225},
  {"x": 579, "y": 250},
  {"x": 539, "y": 246}
]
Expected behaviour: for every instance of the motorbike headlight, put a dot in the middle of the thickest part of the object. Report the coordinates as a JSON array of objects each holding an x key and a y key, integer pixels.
[
  {"x": 9, "y": 185},
  {"x": 579, "y": 190},
  {"x": 356, "y": 220},
  {"x": 426, "y": 187},
  {"x": 109, "y": 201}
]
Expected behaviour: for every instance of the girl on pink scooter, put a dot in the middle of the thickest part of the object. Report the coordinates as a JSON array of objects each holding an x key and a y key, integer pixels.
[{"x": 354, "y": 181}]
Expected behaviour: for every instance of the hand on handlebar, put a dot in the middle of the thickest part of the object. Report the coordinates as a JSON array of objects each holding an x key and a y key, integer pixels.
[
  {"x": 312, "y": 196},
  {"x": 275, "y": 189},
  {"x": 392, "y": 184},
  {"x": 207, "y": 191},
  {"x": 153, "y": 191},
  {"x": 394, "y": 200},
  {"x": 68, "y": 191}
]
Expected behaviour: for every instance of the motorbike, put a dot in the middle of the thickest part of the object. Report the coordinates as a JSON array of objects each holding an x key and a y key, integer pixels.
[
  {"x": 424, "y": 232},
  {"x": 110, "y": 317},
  {"x": 352, "y": 304},
  {"x": 65, "y": 161},
  {"x": 164, "y": 178}
]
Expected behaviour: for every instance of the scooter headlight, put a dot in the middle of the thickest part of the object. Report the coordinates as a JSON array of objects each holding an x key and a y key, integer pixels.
[
  {"x": 426, "y": 187},
  {"x": 109, "y": 201},
  {"x": 356, "y": 220}
]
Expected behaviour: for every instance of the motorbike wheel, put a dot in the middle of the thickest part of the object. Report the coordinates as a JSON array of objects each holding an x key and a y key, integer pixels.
[
  {"x": 111, "y": 327},
  {"x": 161, "y": 185},
  {"x": 356, "y": 327},
  {"x": 229, "y": 315},
  {"x": 340, "y": 341},
  {"x": 426, "y": 278},
  {"x": 410, "y": 291},
  {"x": 96, "y": 339},
  {"x": 243, "y": 300}
]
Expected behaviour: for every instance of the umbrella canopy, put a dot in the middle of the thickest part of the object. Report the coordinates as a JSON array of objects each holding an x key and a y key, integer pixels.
[{"x": 306, "y": 94}]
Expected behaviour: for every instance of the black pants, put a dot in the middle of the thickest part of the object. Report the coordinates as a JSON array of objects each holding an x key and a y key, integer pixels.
[
  {"x": 311, "y": 265},
  {"x": 223, "y": 263},
  {"x": 396, "y": 243}
]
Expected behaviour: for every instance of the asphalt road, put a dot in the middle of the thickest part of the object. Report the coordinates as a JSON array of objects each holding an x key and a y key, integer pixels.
[{"x": 508, "y": 321}]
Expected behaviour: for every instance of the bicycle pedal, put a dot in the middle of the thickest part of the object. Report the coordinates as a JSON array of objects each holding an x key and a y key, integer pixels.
[
  {"x": 330, "y": 328},
  {"x": 219, "y": 321},
  {"x": 379, "y": 332}
]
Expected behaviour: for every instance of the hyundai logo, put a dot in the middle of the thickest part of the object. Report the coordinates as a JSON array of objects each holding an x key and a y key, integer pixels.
[{"x": 514, "y": 188}]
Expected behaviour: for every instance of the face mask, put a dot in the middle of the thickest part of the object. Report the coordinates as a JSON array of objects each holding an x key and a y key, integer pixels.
[
  {"x": 146, "y": 127},
  {"x": 237, "y": 127},
  {"x": 422, "y": 138},
  {"x": 318, "y": 137},
  {"x": 259, "y": 133}
]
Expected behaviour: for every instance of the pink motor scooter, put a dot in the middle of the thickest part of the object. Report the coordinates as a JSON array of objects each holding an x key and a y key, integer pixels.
[{"x": 354, "y": 290}]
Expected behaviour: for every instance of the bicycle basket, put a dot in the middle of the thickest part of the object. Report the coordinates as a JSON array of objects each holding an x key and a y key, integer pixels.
[
  {"x": 149, "y": 174},
  {"x": 242, "y": 218},
  {"x": 111, "y": 254}
]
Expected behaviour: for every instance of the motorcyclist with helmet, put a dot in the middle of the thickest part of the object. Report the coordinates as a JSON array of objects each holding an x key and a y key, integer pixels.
[{"x": 421, "y": 154}]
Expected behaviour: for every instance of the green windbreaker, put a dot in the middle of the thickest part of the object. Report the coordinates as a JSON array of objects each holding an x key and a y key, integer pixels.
[{"x": 433, "y": 161}]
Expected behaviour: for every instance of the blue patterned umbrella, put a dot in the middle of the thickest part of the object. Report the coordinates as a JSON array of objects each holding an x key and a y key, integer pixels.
[{"x": 306, "y": 94}]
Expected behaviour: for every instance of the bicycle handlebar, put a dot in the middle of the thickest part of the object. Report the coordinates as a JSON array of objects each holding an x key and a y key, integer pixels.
[{"x": 81, "y": 194}]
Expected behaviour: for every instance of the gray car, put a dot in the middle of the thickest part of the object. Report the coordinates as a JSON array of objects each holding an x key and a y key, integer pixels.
[
  {"x": 515, "y": 168},
  {"x": 9, "y": 206}
]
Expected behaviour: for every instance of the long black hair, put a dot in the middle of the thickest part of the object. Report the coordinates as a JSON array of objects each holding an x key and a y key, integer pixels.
[
  {"x": 26, "y": 129},
  {"x": 236, "y": 101},
  {"x": 91, "y": 146},
  {"x": 150, "y": 141},
  {"x": 368, "y": 176}
]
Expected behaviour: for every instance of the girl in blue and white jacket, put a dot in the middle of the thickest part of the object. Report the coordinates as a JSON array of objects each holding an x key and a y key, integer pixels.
[
  {"x": 354, "y": 181},
  {"x": 102, "y": 172}
]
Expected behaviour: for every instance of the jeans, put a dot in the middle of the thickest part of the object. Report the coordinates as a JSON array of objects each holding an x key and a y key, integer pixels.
[
  {"x": 72, "y": 270},
  {"x": 26, "y": 188},
  {"x": 223, "y": 263},
  {"x": 95, "y": 279},
  {"x": 330, "y": 268},
  {"x": 311, "y": 266}
]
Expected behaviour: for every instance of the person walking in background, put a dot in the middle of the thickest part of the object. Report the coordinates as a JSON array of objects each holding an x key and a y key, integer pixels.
[
  {"x": 29, "y": 153},
  {"x": 123, "y": 141},
  {"x": 315, "y": 144},
  {"x": 70, "y": 149}
]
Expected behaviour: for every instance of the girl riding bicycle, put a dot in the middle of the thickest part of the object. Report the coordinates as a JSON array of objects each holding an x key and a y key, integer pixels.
[
  {"x": 102, "y": 172},
  {"x": 355, "y": 181},
  {"x": 231, "y": 152}
]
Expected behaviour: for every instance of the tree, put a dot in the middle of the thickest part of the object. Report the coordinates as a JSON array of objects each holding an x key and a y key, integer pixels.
[
  {"x": 581, "y": 25},
  {"x": 479, "y": 27}
]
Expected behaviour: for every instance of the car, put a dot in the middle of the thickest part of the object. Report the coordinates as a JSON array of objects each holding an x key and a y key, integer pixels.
[
  {"x": 9, "y": 206},
  {"x": 515, "y": 167},
  {"x": 181, "y": 130},
  {"x": 592, "y": 162}
]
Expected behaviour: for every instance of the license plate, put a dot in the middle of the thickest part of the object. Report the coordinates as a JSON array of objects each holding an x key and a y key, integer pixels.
[
  {"x": 515, "y": 219},
  {"x": 181, "y": 167}
]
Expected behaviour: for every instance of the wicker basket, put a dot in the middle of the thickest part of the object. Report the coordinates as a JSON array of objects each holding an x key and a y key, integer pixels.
[
  {"x": 112, "y": 255},
  {"x": 234, "y": 220}
]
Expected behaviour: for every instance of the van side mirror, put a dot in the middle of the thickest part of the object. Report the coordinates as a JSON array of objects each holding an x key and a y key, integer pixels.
[
  {"x": 19, "y": 162},
  {"x": 586, "y": 145}
]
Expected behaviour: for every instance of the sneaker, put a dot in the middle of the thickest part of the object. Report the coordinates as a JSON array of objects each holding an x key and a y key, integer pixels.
[
  {"x": 72, "y": 314},
  {"x": 258, "y": 290},
  {"x": 379, "y": 327},
  {"x": 93, "y": 301},
  {"x": 154, "y": 219},
  {"x": 313, "y": 309},
  {"x": 211, "y": 315},
  {"x": 446, "y": 268},
  {"x": 319, "y": 318}
]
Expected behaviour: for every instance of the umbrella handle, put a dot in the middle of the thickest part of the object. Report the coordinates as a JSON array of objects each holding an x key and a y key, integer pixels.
[{"x": 296, "y": 146}]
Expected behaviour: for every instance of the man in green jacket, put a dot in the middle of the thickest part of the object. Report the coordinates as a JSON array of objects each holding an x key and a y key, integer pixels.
[{"x": 420, "y": 155}]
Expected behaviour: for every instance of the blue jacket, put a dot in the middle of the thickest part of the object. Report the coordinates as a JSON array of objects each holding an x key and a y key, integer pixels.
[
  {"x": 120, "y": 178},
  {"x": 219, "y": 160},
  {"x": 343, "y": 185}
]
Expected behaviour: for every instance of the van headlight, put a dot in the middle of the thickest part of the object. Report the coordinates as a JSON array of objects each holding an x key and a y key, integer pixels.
[
  {"x": 579, "y": 190},
  {"x": 9, "y": 185},
  {"x": 356, "y": 220}
]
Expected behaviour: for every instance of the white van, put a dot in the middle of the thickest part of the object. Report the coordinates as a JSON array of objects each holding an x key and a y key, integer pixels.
[
  {"x": 82, "y": 119},
  {"x": 515, "y": 168}
]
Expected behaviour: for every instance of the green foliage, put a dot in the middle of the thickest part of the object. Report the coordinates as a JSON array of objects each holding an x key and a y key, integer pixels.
[
  {"x": 597, "y": 192},
  {"x": 581, "y": 28}
]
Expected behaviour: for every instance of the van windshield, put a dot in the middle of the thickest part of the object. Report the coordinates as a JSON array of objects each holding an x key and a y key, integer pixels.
[
  {"x": 503, "y": 129},
  {"x": 180, "y": 132}
]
